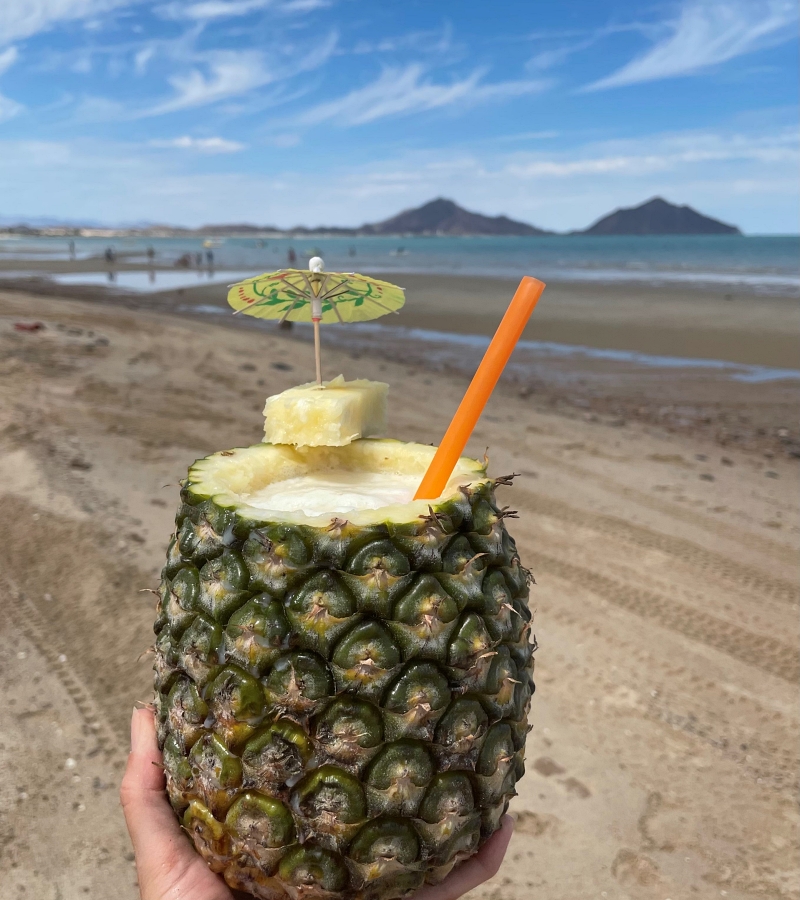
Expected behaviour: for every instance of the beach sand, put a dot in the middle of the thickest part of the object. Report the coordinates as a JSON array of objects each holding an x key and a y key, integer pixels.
[
  {"x": 728, "y": 323},
  {"x": 663, "y": 757}
]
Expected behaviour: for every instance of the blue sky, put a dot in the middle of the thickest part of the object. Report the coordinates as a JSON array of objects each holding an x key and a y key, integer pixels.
[{"x": 344, "y": 111}]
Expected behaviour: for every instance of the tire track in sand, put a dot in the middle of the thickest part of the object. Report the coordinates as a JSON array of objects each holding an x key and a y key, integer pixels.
[
  {"x": 762, "y": 652},
  {"x": 778, "y": 551},
  {"x": 28, "y": 621},
  {"x": 708, "y": 562}
]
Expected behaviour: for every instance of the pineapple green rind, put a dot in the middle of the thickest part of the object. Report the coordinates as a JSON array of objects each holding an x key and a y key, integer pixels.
[{"x": 342, "y": 705}]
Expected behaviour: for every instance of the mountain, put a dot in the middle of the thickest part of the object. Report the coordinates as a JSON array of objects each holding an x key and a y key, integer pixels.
[
  {"x": 657, "y": 216},
  {"x": 438, "y": 217},
  {"x": 442, "y": 216}
]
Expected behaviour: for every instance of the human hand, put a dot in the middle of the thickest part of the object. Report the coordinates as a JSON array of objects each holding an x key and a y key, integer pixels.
[{"x": 168, "y": 866}]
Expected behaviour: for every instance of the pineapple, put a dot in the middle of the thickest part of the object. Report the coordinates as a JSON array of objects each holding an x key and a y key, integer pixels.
[
  {"x": 330, "y": 414},
  {"x": 342, "y": 691}
]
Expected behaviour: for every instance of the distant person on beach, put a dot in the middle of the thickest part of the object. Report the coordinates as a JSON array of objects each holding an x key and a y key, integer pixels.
[
  {"x": 110, "y": 255},
  {"x": 198, "y": 258},
  {"x": 72, "y": 249},
  {"x": 210, "y": 259},
  {"x": 151, "y": 255},
  {"x": 291, "y": 256}
]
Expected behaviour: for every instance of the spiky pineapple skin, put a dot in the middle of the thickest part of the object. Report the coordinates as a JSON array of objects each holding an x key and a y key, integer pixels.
[{"x": 342, "y": 710}]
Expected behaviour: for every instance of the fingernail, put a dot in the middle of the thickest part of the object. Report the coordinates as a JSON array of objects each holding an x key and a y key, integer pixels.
[{"x": 136, "y": 729}]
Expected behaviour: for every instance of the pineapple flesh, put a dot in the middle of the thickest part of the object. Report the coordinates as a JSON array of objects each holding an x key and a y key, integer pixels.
[
  {"x": 330, "y": 414},
  {"x": 342, "y": 695}
]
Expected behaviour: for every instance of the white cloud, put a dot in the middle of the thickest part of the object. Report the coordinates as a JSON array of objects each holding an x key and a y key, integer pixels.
[
  {"x": 706, "y": 33},
  {"x": 232, "y": 73},
  {"x": 439, "y": 41},
  {"x": 283, "y": 140},
  {"x": 208, "y": 10},
  {"x": 9, "y": 108},
  {"x": 229, "y": 74},
  {"x": 747, "y": 178},
  {"x": 404, "y": 91},
  {"x": 665, "y": 153},
  {"x": 203, "y": 145},
  {"x": 98, "y": 109},
  {"x": 300, "y": 6},
  {"x": 142, "y": 58},
  {"x": 23, "y": 18},
  {"x": 8, "y": 58}
]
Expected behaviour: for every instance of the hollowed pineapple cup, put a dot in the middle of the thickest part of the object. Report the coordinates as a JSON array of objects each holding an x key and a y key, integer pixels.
[{"x": 342, "y": 700}]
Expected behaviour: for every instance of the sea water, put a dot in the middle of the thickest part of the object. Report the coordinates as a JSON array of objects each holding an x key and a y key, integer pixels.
[{"x": 764, "y": 264}]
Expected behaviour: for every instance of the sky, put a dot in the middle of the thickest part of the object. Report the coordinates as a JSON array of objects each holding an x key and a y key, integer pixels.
[{"x": 340, "y": 112}]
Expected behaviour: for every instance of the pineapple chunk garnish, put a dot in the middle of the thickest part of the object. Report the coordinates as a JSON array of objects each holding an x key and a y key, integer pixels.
[{"x": 330, "y": 414}]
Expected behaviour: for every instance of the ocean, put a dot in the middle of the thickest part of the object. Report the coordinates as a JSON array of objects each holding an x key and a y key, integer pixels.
[{"x": 762, "y": 264}]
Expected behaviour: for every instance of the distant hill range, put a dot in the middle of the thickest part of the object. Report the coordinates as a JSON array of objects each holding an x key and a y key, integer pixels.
[
  {"x": 438, "y": 217},
  {"x": 444, "y": 217},
  {"x": 657, "y": 216}
]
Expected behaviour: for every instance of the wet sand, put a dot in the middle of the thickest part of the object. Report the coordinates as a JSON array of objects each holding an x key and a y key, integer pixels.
[
  {"x": 729, "y": 323},
  {"x": 663, "y": 757}
]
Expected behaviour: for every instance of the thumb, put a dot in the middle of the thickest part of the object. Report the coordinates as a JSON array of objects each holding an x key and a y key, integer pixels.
[{"x": 167, "y": 864}]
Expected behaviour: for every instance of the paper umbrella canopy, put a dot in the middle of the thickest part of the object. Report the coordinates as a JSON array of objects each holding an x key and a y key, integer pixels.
[
  {"x": 305, "y": 295},
  {"x": 313, "y": 295}
]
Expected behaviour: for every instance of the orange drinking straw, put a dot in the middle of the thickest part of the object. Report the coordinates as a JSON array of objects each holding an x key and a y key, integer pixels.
[{"x": 483, "y": 382}]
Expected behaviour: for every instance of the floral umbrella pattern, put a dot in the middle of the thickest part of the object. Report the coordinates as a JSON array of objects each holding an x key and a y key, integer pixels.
[{"x": 288, "y": 295}]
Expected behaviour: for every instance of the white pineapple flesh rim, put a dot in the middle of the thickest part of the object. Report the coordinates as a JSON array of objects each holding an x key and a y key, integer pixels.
[{"x": 375, "y": 478}]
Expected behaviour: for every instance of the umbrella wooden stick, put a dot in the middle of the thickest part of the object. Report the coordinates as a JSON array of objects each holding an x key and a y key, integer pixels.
[
  {"x": 316, "y": 284},
  {"x": 316, "y": 318},
  {"x": 317, "y": 354},
  {"x": 494, "y": 361}
]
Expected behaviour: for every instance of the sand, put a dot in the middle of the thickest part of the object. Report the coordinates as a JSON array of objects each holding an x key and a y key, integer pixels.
[
  {"x": 728, "y": 323},
  {"x": 663, "y": 758}
]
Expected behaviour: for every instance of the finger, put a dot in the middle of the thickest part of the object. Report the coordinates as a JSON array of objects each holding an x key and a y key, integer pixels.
[
  {"x": 145, "y": 757},
  {"x": 158, "y": 842},
  {"x": 474, "y": 871}
]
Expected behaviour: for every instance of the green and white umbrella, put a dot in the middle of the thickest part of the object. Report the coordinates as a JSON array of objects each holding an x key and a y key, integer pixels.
[{"x": 314, "y": 295}]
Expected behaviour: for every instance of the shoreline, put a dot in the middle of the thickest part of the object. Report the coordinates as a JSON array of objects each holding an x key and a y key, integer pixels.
[
  {"x": 725, "y": 401},
  {"x": 728, "y": 324}
]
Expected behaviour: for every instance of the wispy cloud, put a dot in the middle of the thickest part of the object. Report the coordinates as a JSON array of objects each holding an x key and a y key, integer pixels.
[
  {"x": 202, "y": 145},
  {"x": 9, "y": 108},
  {"x": 142, "y": 58},
  {"x": 7, "y": 59},
  {"x": 90, "y": 110},
  {"x": 744, "y": 177},
  {"x": 706, "y": 33},
  {"x": 662, "y": 153},
  {"x": 229, "y": 74},
  {"x": 23, "y": 18},
  {"x": 232, "y": 73},
  {"x": 438, "y": 41},
  {"x": 208, "y": 10},
  {"x": 403, "y": 91}
]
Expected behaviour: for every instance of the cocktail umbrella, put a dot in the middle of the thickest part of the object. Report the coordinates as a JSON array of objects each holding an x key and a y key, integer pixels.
[{"x": 314, "y": 295}]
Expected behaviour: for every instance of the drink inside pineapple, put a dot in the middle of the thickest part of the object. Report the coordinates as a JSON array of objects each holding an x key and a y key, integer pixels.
[
  {"x": 343, "y": 675},
  {"x": 335, "y": 491}
]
